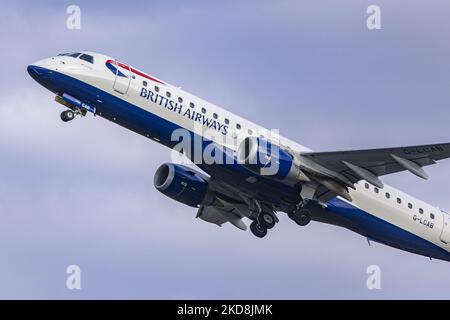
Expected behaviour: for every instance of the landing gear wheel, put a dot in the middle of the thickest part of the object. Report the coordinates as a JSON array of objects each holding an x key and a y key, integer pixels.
[
  {"x": 67, "y": 115},
  {"x": 266, "y": 220},
  {"x": 258, "y": 230},
  {"x": 302, "y": 217}
]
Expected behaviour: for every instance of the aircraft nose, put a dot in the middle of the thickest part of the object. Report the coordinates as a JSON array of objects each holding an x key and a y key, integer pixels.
[
  {"x": 37, "y": 72},
  {"x": 33, "y": 71},
  {"x": 43, "y": 76}
]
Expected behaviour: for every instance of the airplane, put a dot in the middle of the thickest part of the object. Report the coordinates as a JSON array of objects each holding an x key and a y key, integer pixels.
[{"x": 257, "y": 174}]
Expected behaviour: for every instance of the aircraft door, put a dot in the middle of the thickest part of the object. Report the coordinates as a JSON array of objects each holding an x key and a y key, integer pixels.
[
  {"x": 445, "y": 235},
  {"x": 122, "y": 80}
]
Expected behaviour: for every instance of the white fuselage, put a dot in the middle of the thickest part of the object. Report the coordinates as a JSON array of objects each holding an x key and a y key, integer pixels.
[{"x": 388, "y": 204}]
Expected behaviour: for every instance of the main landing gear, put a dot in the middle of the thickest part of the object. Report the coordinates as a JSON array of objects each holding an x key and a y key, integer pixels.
[
  {"x": 257, "y": 229},
  {"x": 301, "y": 215},
  {"x": 262, "y": 223},
  {"x": 266, "y": 220},
  {"x": 67, "y": 115}
]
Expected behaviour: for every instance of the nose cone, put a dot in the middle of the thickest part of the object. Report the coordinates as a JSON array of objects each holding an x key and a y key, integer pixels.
[
  {"x": 38, "y": 73},
  {"x": 41, "y": 70},
  {"x": 34, "y": 71},
  {"x": 44, "y": 76}
]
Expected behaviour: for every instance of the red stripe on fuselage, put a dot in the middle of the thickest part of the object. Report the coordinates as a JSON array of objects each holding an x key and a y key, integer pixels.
[{"x": 134, "y": 71}]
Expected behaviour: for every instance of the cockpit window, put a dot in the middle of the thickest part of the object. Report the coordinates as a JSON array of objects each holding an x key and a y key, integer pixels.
[
  {"x": 87, "y": 57},
  {"x": 82, "y": 56},
  {"x": 73, "y": 55}
]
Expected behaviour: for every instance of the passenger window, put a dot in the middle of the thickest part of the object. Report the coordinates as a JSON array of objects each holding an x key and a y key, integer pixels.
[
  {"x": 420, "y": 210},
  {"x": 215, "y": 115},
  {"x": 156, "y": 88},
  {"x": 180, "y": 99},
  {"x": 191, "y": 105},
  {"x": 410, "y": 205},
  {"x": 250, "y": 131},
  {"x": 168, "y": 94},
  {"x": 376, "y": 190},
  {"x": 399, "y": 200},
  {"x": 238, "y": 126},
  {"x": 87, "y": 58},
  {"x": 431, "y": 215},
  {"x": 366, "y": 185},
  {"x": 144, "y": 83},
  {"x": 227, "y": 121},
  {"x": 203, "y": 110},
  {"x": 388, "y": 195}
]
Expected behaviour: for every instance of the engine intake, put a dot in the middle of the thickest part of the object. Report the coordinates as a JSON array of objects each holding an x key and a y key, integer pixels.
[
  {"x": 266, "y": 159},
  {"x": 181, "y": 183}
]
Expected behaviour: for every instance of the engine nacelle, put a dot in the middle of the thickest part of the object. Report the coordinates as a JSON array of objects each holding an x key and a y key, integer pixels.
[
  {"x": 267, "y": 159},
  {"x": 181, "y": 184}
]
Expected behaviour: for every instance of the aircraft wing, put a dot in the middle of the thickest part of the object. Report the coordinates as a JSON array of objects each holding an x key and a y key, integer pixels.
[{"x": 349, "y": 167}]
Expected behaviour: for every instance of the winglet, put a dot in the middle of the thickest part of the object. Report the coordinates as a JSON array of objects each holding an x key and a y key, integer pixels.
[{"x": 410, "y": 166}]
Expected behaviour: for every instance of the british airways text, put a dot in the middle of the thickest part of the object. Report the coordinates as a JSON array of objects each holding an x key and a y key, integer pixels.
[{"x": 185, "y": 112}]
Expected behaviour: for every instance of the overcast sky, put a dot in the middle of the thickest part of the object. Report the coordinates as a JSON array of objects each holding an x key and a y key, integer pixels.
[{"x": 82, "y": 193}]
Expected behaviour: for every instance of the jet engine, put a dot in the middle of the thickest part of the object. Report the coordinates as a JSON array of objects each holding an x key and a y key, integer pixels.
[
  {"x": 181, "y": 183},
  {"x": 266, "y": 159}
]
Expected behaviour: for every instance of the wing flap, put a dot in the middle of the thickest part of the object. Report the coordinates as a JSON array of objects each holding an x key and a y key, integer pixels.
[{"x": 349, "y": 167}]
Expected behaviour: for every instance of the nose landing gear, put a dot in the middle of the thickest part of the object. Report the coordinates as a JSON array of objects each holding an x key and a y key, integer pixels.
[
  {"x": 67, "y": 115},
  {"x": 76, "y": 107}
]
